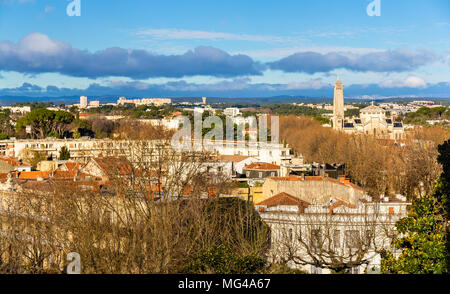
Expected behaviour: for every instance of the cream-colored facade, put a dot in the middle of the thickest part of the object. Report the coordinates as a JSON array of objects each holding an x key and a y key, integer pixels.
[
  {"x": 338, "y": 106},
  {"x": 352, "y": 235},
  {"x": 371, "y": 121}
]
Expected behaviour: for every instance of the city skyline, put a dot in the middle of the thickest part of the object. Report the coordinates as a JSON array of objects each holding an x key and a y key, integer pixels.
[{"x": 224, "y": 49}]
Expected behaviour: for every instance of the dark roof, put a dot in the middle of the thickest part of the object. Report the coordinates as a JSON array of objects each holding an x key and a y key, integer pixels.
[
  {"x": 398, "y": 125},
  {"x": 389, "y": 121},
  {"x": 348, "y": 125},
  {"x": 357, "y": 121}
]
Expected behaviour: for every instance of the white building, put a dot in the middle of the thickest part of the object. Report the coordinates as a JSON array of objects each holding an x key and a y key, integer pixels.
[
  {"x": 21, "y": 110},
  {"x": 144, "y": 101},
  {"x": 86, "y": 148},
  {"x": 94, "y": 103},
  {"x": 83, "y": 102},
  {"x": 231, "y": 111},
  {"x": 309, "y": 236}
]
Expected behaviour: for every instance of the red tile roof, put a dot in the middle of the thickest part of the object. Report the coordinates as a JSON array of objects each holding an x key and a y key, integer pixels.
[
  {"x": 13, "y": 161},
  {"x": 262, "y": 166},
  {"x": 33, "y": 175},
  {"x": 112, "y": 165}
]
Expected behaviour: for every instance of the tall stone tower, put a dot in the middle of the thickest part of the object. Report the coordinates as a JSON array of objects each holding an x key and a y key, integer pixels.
[{"x": 338, "y": 106}]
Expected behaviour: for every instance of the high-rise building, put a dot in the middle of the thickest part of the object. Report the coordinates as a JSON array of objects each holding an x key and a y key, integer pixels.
[
  {"x": 338, "y": 105},
  {"x": 204, "y": 100},
  {"x": 83, "y": 102}
]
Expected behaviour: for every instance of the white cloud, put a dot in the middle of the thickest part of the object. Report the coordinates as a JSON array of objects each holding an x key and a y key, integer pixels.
[
  {"x": 409, "y": 82},
  {"x": 310, "y": 84}
]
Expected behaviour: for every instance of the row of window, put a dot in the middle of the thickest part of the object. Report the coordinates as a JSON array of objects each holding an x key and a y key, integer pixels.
[{"x": 353, "y": 239}]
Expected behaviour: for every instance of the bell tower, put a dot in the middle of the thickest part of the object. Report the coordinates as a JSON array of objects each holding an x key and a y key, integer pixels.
[{"x": 338, "y": 105}]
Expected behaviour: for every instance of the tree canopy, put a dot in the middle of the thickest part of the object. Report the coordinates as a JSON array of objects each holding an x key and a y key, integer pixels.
[
  {"x": 423, "y": 242},
  {"x": 43, "y": 122}
]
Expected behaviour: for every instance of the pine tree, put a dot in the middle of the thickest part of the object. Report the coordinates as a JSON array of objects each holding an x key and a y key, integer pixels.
[{"x": 64, "y": 153}]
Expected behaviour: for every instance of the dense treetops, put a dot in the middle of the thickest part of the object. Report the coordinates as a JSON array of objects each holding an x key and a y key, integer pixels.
[{"x": 424, "y": 233}]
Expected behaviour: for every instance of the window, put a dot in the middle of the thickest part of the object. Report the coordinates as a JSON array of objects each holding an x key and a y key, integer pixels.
[
  {"x": 260, "y": 174},
  {"x": 351, "y": 239},
  {"x": 248, "y": 174},
  {"x": 272, "y": 174},
  {"x": 337, "y": 238},
  {"x": 316, "y": 240},
  {"x": 291, "y": 237},
  {"x": 369, "y": 238},
  {"x": 316, "y": 270}
]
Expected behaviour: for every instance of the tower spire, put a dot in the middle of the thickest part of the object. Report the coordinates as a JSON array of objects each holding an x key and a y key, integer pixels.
[{"x": 338, "y": 105}]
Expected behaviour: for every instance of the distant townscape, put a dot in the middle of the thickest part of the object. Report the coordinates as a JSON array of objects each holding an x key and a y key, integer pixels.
[{"x": 330, "y": 188}]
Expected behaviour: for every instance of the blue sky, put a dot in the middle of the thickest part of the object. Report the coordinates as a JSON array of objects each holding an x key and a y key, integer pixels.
[{"x": 224, "y": 48}]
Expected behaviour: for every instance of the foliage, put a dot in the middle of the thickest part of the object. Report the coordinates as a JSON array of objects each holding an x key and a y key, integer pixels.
[
  {"x": 221, "y": 259},
  {"x": 33, "y": 157},
  {"x": 424, "y": 232},
  {"x": 322, "y": 119},
  {"x": 352, "y": 112},
  {"x": 64, "y": 153},
  {"x": 243, "y": 185},
  {"x": 53, "y": 134},
  {"x": 4, "y": 136},
  {"x": 43, "y": 121},
  {"x": 287, "y": 109},
  {"x": 425, "y": 113}
]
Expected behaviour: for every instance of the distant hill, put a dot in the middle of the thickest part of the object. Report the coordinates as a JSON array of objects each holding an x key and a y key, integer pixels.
[{"x": 8, "y": 100}]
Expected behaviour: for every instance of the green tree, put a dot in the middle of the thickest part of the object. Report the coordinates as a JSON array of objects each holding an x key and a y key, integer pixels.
[
  {"x": 423, "y": 241},
  {"x": 43, "y": 121},
  {"x": 64, "y": 153},
  {"x": 221, "y": 259},
  {"x": 40, "y": 120}
]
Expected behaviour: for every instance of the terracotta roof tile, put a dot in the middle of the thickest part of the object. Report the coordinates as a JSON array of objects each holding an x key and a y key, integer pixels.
[
  {"x": 232, "y": 158},
  {"x": 262, "y": 166},
  {"x": 33, "y": 175}
]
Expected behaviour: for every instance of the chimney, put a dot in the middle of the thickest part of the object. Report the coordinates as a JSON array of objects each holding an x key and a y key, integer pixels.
[{"x": 302, "y": 177}]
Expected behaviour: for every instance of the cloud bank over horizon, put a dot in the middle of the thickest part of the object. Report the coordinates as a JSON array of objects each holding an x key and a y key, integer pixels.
[
  {"x": 237, "y": 88},
  {"x": 37, "y": 54}
]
